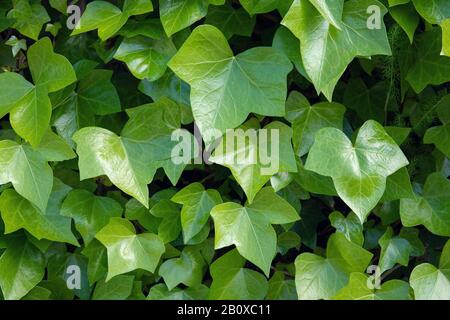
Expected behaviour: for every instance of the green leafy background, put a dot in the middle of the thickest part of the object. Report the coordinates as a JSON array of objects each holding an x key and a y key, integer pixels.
[{"x": 86, "y": 171}]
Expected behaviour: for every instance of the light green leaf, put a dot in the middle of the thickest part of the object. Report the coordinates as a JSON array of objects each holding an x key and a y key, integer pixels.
[
  {"x": 430, "y": 283},
  {"x": 321, "y": 278},
  {"x": 130, "y": 160},
  {"x": 28, "y": 172},
  {"x": 250, "y": 228},
  {"x": 321, "y": 42},
  {"x": 18, "y": 213},
  {"x": 89, "y": 212},
  {"x": 29, "y": 17},
  {"x": 394, "y": 249},
  {"x": 146, "y": 58},
  {"x": 188, "y": 269},
  {"x": 109, "y": 19},
  {"x": 310, "y": 119},
  {"x": 118, "y": 288},
  {"x": 358, "y": 170},
  {"x": 349, "y": 226},
  {"x": 431, "y": 208},
  {"x": 231, "y": 281},
  {"x": 255, "y": 156},
  {"x": 226, "y": 88},
  {"x": 358, "y": 289},
  {"x": 128, "y": 251},
  {"x": 197, "y": 204},
  {"x": 22, "y": 267}
]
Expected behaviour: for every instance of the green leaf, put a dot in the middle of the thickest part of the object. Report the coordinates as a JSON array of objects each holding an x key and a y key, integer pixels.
[
  {"x": 259, "y": 6},
  {"x": 18, "y": 213},
  {"x": 429, "y": 67},
  {"x": 89, "y": 212},
  {"x": 197, "y": 204},
  {"x": 434, "y": 11},
  {"x": 310, "y": 119},
  {"x": 430, "y": 283},
  {"x": 250, "y": 228},
  {"x": 160, "y": 292},
  {"x": 179, "y": 14},
  {"x": 28, "y": 172},
  {"x": 281, "y": 289},
  {"x": 22, "y": 267},
  {"x": 118, "y": 288},
  {"x": 233, "y": 282},
  {"x": 358, "y": 289},
  {"x": 48, "y": 69},
  {"x": 97, "y": 261},
  {"x": 407, "y": 18},
  {"x": 267, "y": 152},
  {"x": 231, "y": 21},
  {"x": 321, "y": 42},
  {"x": 394, "y": 249},
  {"x": 349, "y": 226},
  {"x": 109, "y": 19},
  {"x": 146, "y": 58},
  {"x": 29, "y": 17},
  {"x": 188, "y": 269},
  {"x": 430, "y": 208},
  {"x": 445, "y": 25},
  {"x": 130, "y": 160},
  {"x": 321, "y": 278},
  {"x": 128, "y": 251},
  {"x": 358, "y": 170},
  {"x": 440, "y": 137},
  {"x": 206, "y": 58}
]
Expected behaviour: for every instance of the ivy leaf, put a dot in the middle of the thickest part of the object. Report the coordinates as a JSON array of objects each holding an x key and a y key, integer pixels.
[
  {"x": 407, "y": 17},
  {"x": 28, "y": 172},
  {"x": 434, "y": 11},
  {"x": 22, "y": 267},
  {"x": 231, "y": 21},
  {"x": 359, "y": 171},
  {"x": 430, "y": 283},
  {"x": 429, "y": 67},
  {"x": 170, "y": 226},
  {"x": 118, "y": 288},
  {"x": 231, "y": 281},
  {"x": 146, "y": 58},
  {"x": 17, "y": 213},
  {"x": 430, "y": 208},
  {"x": 330, "y": 10},
  {"x": 250, "y": 228},
  {"x": 197, "y": 204},
  {"x": 281, "y": 289},
  {"x": 29, "y": 18},
  {"x": 89, "y": 212},
  {"x": 445, "y": 37},
  {"x": 128, "y": 251},
  {"x": 394, "y": 249},
  {"x": 349, "y": 226},
  {"x": 357, "y": 289},
  {"x": 30, "y": 105},
  {"x": 160, "y": 292},
  {"x": 109, "y": 19},
  {"x": 188, "y": 269},
  {"x": 94, "y": 95},
  {"x": 440, "y": 137},
  {"x": 97, "y": 261},
  {"x": 144, "y": 143},
  {"x": 321, "y": 278},
  {"x": 179, "y": 14},
  {"x": 310, "y": 119},
  {"x": 321, "y": 42},
  {"x": 259, "y": 6},
  {"x": 236, "y": 85},
  {"x": 250, "y": 163}
]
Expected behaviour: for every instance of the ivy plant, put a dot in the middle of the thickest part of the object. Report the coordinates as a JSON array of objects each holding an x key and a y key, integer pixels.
[{"x": 224, "y": 149}]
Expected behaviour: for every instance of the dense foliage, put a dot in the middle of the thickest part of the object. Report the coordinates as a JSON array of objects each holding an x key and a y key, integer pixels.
[{"x": 344, "y": 104}]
